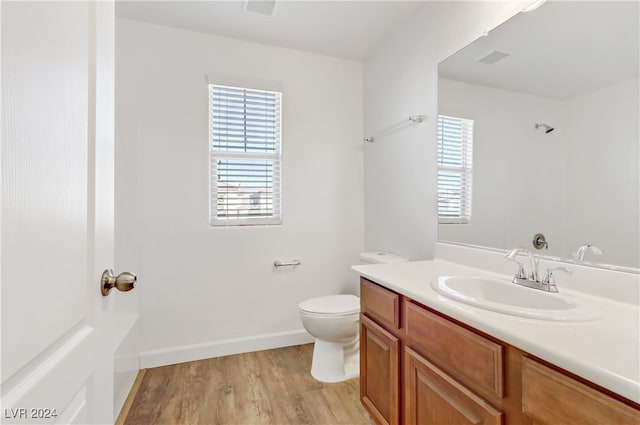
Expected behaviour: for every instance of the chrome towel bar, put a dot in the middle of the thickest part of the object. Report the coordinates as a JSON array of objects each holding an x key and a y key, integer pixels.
[
  {"x": 416, "y": 119},
  {"x": 279, "y": 263}
]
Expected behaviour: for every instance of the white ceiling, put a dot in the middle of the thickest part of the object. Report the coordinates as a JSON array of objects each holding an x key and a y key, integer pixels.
[
  {"x": 347, "y": 29},
  {"x": 560, "y": 50}
]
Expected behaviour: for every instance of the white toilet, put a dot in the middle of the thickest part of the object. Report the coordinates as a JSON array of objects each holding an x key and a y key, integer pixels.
[{"x": 334, "y": 322}]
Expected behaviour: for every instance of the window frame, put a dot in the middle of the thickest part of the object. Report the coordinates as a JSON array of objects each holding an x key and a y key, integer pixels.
[
  {"x": 464, "y": 170},
  {"x": 274, "y": 158}
]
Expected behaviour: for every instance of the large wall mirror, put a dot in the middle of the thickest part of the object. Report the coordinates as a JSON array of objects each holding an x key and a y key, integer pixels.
[{"x": 554, "y": 98}]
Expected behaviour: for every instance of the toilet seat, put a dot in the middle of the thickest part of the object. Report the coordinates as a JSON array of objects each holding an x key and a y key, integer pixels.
[{"x": 331, "y": 305}]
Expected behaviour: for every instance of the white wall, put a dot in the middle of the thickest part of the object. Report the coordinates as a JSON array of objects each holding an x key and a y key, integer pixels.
[
  {"x": 400, "y": 79},
  {"x": 208, "y": 291}
]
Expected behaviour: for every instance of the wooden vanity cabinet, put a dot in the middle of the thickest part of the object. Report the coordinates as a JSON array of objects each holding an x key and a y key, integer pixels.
[
  {"x": 380, "y": 352},
  {"x": 420, "y": 367},
  {"x": 380, "y": 304},
  {"x": 379, "y": 372},
  {"x": 470, "y": 358},
  {"x": 452, "y": 375},
  {"x": 552, "y": 397},
  {"x": 433, "y": 397}
]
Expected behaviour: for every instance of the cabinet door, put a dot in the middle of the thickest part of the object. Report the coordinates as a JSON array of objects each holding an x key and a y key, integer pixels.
[
  {"x": 434, "y": 398},
  {"x": 474, "y": 360},
  {"x": 379, "y": 372},
  {"x": 550, "y": 397}
]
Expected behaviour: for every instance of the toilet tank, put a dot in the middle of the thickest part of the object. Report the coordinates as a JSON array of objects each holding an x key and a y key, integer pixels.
[{"x": 380, "y": 257}]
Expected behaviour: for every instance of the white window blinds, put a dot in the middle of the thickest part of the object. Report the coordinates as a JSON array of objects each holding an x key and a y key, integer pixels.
[
  {"x": 455, "y": 154},
  {"x": 245, "y": 151}
]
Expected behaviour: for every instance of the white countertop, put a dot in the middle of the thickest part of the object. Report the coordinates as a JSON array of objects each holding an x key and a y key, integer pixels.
[{"x": 605, "y": 351}]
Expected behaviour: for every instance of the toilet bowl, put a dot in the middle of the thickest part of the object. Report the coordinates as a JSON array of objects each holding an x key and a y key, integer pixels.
[{"x": 334, "y": 322}]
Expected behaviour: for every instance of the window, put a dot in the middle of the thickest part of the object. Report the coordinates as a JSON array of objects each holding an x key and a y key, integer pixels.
[
  {"x": 245, "y": 147},
  {"x": 455, "y": 152}
]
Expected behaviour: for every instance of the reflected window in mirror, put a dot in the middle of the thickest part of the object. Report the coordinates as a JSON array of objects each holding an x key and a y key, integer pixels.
[{"x": 455, "y": 166}]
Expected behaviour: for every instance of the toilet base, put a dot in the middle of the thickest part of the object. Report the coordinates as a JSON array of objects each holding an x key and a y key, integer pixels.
[{"x": 335, "y": 362}]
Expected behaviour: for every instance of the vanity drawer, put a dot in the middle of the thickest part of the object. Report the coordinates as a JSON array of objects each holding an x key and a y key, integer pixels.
[
  {"x": 550, "y": 397},
  {"x": 472, "y": 359},
  {"x": 380, "y": 304}
]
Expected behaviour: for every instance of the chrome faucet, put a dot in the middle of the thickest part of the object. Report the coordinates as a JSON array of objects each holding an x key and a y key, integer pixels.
[
  {"x": 531, "y": 279},
  {"x": 583, "y": 249},
  {"x": 533, "y": 263}
]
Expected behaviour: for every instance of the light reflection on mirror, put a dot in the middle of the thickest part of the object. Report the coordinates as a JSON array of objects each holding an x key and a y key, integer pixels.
[{"x": 573, "y": 67}]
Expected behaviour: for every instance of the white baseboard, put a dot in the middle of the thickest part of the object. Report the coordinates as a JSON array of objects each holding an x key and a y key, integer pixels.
[{"x": 188, "y": 353}]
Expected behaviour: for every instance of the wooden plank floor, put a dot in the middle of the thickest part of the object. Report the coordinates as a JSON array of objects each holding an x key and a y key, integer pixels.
[{"x": 266, "y": 387}]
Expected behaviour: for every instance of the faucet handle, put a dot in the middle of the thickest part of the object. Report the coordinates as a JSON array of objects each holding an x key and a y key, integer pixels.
[
  {"x": 549, "y": 279},
  {"x": 520, "y": 273},
  {"x": 511, "y": 256}
]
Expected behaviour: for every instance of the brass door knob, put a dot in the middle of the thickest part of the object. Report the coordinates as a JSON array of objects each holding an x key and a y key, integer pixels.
[{"x": 124, "y": 282}]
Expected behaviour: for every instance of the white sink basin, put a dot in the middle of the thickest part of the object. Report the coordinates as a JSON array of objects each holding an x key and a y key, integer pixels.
[{"x": 509, "y": 298}]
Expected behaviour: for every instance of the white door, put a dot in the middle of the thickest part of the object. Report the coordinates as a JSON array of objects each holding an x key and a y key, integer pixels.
[{"x": 57, "y": 211}]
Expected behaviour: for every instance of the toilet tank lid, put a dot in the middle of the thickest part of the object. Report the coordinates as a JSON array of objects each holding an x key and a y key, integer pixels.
[
  {"x": 380, "y": 257},
  {"x": 331, "y": 304}
]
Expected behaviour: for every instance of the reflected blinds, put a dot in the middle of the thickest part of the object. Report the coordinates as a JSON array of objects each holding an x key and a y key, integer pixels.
[
  {"x": 245, "y": 151},
  {"x": 455, "y": 154}
]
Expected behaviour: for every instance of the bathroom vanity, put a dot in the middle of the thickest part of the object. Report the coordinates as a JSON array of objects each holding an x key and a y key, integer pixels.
[
  {"x": 449, "y": 341},
  {"x": 425, "y": 359}
]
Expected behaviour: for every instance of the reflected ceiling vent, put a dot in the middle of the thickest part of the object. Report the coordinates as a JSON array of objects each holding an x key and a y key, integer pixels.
[
  {"x": 492, "y": 57},
  {"x": 264, "y": 7}
]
